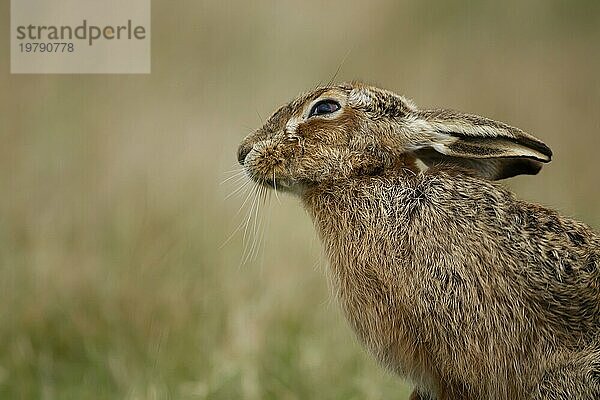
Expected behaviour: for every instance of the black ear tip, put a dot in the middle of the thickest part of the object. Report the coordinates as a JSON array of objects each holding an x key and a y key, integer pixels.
[
  {"x": 538, "y": 146},
  {"x": 547, "y": 151},
  {"x": 548, "y": 155}
]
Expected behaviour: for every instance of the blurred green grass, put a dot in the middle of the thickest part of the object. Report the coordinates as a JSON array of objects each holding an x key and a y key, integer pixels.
[{"x": 114, "y": 278}]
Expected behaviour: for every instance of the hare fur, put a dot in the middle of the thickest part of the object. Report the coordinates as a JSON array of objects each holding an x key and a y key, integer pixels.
[{"x": 446, "y": 277}]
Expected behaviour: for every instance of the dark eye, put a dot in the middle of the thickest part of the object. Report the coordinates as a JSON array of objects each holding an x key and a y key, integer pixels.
[{"x": 324, "y": 107}]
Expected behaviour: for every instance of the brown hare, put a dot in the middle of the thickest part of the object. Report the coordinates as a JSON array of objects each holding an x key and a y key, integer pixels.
[{"x": 445, "y": 276}]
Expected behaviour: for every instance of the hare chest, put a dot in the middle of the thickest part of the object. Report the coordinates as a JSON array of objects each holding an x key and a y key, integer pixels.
[{"x": 379, "y": 311}]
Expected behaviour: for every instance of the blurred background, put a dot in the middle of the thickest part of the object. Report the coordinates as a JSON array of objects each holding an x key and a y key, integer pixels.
[{"x": 117, "y": 278}]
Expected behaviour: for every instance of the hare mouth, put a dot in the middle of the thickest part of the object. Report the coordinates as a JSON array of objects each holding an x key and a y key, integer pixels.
[
  {"x": 270, "y": 183},
  {"x": 277, "y": 184},
  {"x": 281, "y": 184}
]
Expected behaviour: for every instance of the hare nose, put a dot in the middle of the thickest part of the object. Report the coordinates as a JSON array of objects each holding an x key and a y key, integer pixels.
[{"x": 243, "y": 151}]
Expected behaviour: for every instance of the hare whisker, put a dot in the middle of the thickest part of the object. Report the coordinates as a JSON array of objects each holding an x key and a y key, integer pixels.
[
  {"x": 254, "y": 213},
  {"x": 241, "y": 223},
  {"x": 235, "y": 170},
  {"x": 238, "y": 189},
  {"x": 275, "y": 187},
  {"x": 237, "y": 177}
]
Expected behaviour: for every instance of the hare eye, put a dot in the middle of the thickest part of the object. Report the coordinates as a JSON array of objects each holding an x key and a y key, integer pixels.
[{"x": 324, "y": 107}]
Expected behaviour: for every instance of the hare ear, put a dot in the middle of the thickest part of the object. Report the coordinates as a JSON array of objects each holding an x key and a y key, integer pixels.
[{"x": 489, "y": 148}]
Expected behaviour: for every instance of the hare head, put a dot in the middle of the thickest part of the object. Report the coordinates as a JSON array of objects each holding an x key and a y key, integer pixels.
[{"x": 353, "y": 129}]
